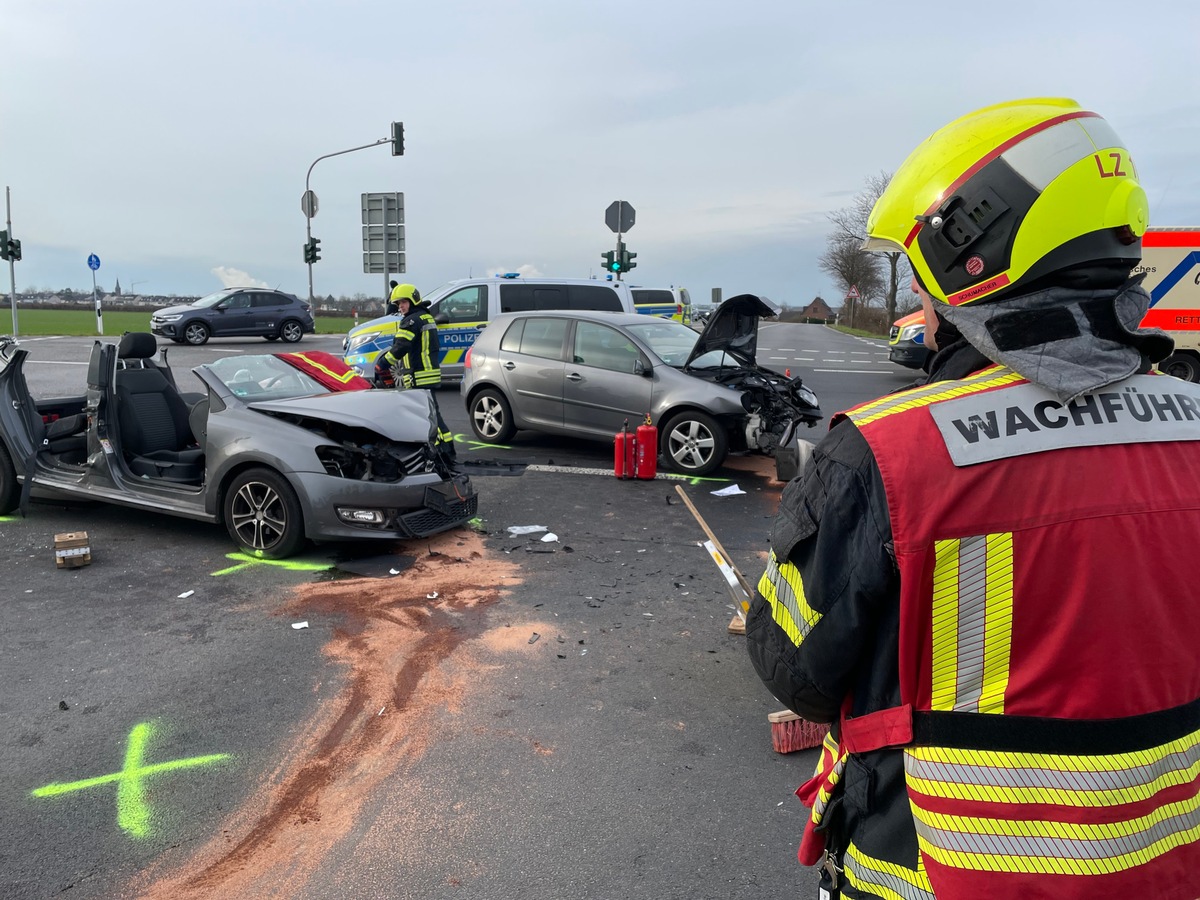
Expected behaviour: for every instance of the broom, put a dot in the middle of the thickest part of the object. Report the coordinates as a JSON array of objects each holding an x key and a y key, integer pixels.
[{"x": 790, "y": 733}]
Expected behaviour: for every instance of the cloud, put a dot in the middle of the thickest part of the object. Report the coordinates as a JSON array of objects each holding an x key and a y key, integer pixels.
[
  {"x": 237, "y": 278},
  {"x": 528, "y": 270}
]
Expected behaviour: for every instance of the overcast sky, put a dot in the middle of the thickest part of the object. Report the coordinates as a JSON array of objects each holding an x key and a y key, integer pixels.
[{"x": 173, "y": 139}]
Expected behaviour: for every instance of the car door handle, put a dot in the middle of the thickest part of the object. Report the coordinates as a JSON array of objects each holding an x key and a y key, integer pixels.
[
  {"x": 574, "y": 376},
  {"x": 510, "y": 366}
]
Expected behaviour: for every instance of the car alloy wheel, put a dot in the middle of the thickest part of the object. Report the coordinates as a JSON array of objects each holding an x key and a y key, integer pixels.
[
  {"x": 694, "y": 443},
  {"x": 263, "y": 515},
  {"x": 491, "y": 417},
  {"x": 196, "y": 333},
  {"x": 291, "y": 331}
]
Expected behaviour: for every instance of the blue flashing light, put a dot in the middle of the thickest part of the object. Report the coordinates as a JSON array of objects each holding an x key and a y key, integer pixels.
[{"x": 509, "y": 275}]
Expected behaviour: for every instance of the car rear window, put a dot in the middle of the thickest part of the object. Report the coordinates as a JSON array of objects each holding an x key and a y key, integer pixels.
[
  {"x": 536, "y": 336},
  {"x": 645, "y": 296},
  {"x": 593, "y": 296}
]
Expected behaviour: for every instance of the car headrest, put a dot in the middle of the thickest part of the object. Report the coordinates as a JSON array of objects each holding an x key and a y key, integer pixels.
[{"x": 137, "y": 345}]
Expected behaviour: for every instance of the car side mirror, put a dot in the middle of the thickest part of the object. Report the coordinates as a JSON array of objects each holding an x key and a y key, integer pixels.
[
  {"x": 442, "y": 319},
  {"x": 642, "y": 368}
]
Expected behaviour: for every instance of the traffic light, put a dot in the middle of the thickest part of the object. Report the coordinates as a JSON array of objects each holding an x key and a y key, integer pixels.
[
  {"x": 312, "y": 250},
  {"x": 397, "y": 139},
  {"x": 4, "y": 245},
  {"x": 14, "y": 249},
  {"x": 627, "y": 260},
  {"x": 610, "y": 264}
]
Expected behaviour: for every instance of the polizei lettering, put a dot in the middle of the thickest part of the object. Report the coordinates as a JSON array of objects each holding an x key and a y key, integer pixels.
[{"x": 1026, "y": 419}]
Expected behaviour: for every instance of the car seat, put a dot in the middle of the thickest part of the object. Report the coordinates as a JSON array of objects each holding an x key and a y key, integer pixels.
[{"x": 153, "y": 417}]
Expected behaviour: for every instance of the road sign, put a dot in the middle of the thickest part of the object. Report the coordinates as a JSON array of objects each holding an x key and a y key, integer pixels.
[
  {"x": 93, "y": 262},
  {"x": 308, "y": 204},
  {"x": 383, "y": 233},
  {"x": 619, "y": 216},
  {"x": 852, "y": 294}
]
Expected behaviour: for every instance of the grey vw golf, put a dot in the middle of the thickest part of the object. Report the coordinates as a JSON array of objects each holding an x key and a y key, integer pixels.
[{"x": 586, "y": 373}]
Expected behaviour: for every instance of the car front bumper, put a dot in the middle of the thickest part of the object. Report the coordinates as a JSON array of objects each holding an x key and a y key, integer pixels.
[
  {"x": 416, "y": 507},
  {"x": 909, "y": 354},
  {"x": 165, "y": 329}
]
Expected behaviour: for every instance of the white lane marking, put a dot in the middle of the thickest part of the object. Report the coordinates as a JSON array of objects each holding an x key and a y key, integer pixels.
[{"x": 851, "y": 371}]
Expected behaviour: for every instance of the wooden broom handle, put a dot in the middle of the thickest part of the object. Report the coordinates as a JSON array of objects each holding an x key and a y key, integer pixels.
[{"x": 716, "y": 543}]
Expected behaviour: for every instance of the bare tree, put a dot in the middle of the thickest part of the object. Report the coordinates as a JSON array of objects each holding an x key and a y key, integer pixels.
[
  {"x": 844, "y": 260},
  {"x": 850, "y": 228}
]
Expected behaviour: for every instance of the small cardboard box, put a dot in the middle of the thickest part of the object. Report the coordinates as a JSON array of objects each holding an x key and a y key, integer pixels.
[{"x": 72, "y": 549}]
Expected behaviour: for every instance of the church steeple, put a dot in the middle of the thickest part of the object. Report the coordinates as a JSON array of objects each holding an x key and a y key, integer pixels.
[{"x": 117, "y": 290}]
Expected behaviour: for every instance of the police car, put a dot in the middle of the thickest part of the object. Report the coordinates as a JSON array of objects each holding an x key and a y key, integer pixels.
[{"x": 463, "y": 308}]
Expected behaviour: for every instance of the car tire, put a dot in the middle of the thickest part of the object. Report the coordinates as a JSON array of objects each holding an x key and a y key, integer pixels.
[
  {"x": 262, "y": 514},
  {"x": 196, "y": 333},
  {"x": 271, "y": 337},
  {"x": 693, "y": 443},
  {"x": 10, "y": 491},
  {"x": 1181, "y": 365},
  {"x": 491, "y": 417},
  {"x": 291, "y": 331}
]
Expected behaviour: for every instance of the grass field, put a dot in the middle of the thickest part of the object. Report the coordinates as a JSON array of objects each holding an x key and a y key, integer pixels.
[{"x": 82, "y": 323}]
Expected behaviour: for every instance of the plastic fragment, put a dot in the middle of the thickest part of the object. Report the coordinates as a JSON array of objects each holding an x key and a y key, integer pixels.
[
  {"x": 533, "y": 638},
  {"x": 731, "y": 491},
  {"x": 299, "y": 625},
  {"x": 432, "y": 596},
  {"x": 526, "y": 529},
  {"x": 185, "y": 595}
]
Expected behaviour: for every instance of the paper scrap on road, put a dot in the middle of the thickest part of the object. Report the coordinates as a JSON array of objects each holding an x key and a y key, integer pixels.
[
  {"x": 550, "y": 537},
  {"x": 185, "y": 595},
  {"x": 526, "y": 529},
  {"x": 731, "y": 491},
  {"x": 299, "y": 625}
]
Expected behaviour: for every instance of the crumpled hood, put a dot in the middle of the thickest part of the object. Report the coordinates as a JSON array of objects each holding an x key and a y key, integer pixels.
[
  {"x": 397, "y": 415},
  {"x": 733, "y": 328}
]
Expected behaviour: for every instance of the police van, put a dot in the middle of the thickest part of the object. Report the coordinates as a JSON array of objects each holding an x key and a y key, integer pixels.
[
  {"x": 670, "y": 303},
  {"x": 463, "y": 308}
]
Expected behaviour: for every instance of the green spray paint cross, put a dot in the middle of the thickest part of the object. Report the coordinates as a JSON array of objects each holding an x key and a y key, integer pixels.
[
  {"x": 133, "y": 813},
  {"x": 245, "y": 560}
]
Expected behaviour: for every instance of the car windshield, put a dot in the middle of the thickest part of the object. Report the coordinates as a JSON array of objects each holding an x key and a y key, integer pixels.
[
  {"x": 212, "y": 299},
  {"x": 670, "y": 341},
  {"x": 264, "y": 378}
]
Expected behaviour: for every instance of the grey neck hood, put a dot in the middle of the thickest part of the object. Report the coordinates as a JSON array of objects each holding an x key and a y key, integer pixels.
[{"x": 1066, "y": 340}]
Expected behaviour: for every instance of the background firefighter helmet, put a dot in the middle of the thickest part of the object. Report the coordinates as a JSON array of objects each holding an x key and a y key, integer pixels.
[
  {"x": 1009, "y": 194},
  {"x": 406, "y": 292}
]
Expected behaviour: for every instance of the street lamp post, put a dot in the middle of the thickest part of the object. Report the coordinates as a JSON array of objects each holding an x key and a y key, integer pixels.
[{"x": 310, "y": 211}]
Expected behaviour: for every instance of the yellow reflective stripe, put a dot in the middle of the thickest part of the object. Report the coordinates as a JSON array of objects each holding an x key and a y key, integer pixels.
[
  {"x": 404, "y": 333},
  {"x": 1074, "y": 781},
  {"x": 971, "y": 623},
  {"x": 993, "y": 376},
  {"x": 1050, "y": 844},
  {"x": 453, "y": 356},
  {"x": 944, "y": 674},
  {"x": 343, "y": 377},
  {"x": 783, "y": 589},
  {"x": 1067, "y": 849},
  {"x": 888, "y": 880}
]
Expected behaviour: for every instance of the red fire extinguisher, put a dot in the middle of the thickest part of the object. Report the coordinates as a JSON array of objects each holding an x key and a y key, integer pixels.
[
  {"x": 623, "y": 453},
  {"x": 647, "y": 450}
]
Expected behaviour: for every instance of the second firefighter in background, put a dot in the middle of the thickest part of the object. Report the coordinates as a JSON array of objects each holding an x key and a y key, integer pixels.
[{"x": 413, "y": 359}]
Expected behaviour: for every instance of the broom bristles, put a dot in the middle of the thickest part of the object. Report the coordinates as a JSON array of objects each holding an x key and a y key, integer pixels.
[{"x": 790, "y": 733}]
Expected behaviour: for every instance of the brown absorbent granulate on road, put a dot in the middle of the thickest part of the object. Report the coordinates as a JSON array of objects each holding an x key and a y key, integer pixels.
[{"x": 407, "y": 660}]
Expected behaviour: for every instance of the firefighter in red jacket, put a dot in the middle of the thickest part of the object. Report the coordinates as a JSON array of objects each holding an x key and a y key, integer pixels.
[{"x": 986, "y": 581}]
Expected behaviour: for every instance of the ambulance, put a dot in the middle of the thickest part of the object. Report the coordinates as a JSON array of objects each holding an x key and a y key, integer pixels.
[{"x": 1171, "y": 264}]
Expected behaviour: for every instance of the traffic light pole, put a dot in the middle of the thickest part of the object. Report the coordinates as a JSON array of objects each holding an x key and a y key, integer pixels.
[
  {"x": 12, "y": 268},
  {"x": 308, "y": 218}
]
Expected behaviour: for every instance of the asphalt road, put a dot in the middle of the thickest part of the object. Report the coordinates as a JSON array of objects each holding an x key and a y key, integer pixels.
[{"x": 504, "y": 717}]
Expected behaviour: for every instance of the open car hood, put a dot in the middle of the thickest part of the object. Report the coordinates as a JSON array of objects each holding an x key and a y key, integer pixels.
[
  {"x": 733, "y": 328},
  {"x": 397, "y": 415}
]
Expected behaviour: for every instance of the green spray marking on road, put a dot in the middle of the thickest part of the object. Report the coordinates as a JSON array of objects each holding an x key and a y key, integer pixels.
[
  {"x": 133, "y": 813},
  {"x": 9, "y": 518},
  {"x": 245, "y": 560}
]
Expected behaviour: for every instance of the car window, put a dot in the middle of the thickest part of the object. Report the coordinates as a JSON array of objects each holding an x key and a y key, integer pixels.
[
  {"x": 512, "y": 338},
  {"x": 238, "y": 301},
  {"x": 543, "y": 337},
  {"x": 516, "y": 298},
  {"x": 604, "y": 347},
  {"x": 669, "y": 341},
  {"x": 653, "y": 296},
  {"x": 261, "y": 300},
  {"x": 264, "y": 378},
  {"x": 468, "y": 304},
  {"x": 593, "y": 296}
]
